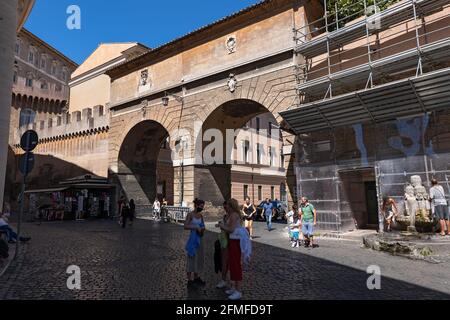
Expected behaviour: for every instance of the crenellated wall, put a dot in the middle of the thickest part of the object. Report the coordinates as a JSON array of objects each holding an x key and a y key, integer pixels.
[
  {"x": 69, "y": 145},
  {"x": 88, "y": 121}
]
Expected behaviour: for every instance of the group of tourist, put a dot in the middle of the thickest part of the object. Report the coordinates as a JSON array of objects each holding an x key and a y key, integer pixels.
[
  {"x": 301, "y": 222},
  {"x": 440, "y": 209},
  {"x": 233, "y": 246},
  {"x": 127, "y": 211},
  {"x": 158, "y": 208}
]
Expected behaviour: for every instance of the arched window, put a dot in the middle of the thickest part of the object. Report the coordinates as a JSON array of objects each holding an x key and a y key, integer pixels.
[
  {"x": 27, "y": 116},
  {"x": 43, "y": 62},
  {"x": 29, "y": 81},
  {"x": 64, "y": 74},
  {"x": 32, "y": 54},
  {"x": 54, "y": 67},
  {"x": 283, "y": 193},
  {"x": 17, "y": 47},
  {"x": 44, "y": 84},
  {"x": 15, "y": 76}
]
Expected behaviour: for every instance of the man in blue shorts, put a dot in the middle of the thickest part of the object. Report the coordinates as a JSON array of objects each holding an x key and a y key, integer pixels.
[{"x": 308, "y": 218}]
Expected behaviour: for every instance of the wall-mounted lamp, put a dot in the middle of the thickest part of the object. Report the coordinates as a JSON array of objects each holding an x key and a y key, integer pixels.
[{"x": 165, "y": 99}]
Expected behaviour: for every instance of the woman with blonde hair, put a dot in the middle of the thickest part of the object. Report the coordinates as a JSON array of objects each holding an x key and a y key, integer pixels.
[{"x": 239, "y": 245}]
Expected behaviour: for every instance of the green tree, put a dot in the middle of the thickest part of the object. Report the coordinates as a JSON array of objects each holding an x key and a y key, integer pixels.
[{"x": 349, "y": 10}]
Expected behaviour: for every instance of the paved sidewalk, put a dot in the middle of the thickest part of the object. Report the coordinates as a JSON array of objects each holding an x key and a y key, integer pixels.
[{"x": 147, "y": 261}]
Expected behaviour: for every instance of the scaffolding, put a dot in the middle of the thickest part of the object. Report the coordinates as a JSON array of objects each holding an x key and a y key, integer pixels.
[
  {"x": 333, "y": 183},
  {"x": 402, "y": 38},
  {"x": 392, "y": 83}
]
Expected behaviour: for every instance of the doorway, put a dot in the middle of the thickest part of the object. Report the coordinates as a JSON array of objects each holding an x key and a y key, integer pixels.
[
  {"x": 360, "y": 197},
  {"x": 371, "y": 203}
]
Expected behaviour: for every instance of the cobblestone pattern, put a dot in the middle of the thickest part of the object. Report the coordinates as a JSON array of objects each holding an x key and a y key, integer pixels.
[{"x": 147, "y": 261}]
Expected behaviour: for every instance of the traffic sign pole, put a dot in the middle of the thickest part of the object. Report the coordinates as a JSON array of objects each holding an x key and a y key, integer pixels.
[{"x": 22, "y": 194}]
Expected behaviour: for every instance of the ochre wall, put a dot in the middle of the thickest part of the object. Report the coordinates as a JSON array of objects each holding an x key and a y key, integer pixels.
[
  {"x": 257, "y": 40},
  {"x": 91, "y": 93}
]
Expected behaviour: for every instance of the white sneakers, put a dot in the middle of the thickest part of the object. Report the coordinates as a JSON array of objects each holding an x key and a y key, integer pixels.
[
  {"x": 235, "y": 296},
  {"x": 232, "y": 294},
  {"x": 222, "y": 284}
]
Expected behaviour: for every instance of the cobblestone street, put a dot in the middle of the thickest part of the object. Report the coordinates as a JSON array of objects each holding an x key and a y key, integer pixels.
[{"x": 147, "y": 261}]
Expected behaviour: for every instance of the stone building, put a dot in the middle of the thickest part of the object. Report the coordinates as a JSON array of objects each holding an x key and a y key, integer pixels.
[
  {"x": 222, "y": 76},
  {"x": 374, "y": 108},
  {"x": 260, "y": 173},
  {"x": 359, "y": 103},
  {"x": 40, "y": 92},
  {"x": 218, "y": 77},
  {"x": 13, "y": 15}
]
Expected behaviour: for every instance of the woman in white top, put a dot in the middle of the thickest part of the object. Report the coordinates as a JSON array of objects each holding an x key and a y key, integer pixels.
[
  {"x": 234, "y": 222},
  {"x": 437, "y": 196},
  {"x": 156, "y": 209}
]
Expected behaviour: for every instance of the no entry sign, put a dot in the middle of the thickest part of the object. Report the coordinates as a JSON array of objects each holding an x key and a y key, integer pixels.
[{"x": 29, "y": 140}]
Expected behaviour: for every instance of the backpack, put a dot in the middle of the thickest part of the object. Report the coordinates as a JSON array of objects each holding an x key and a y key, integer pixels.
[{"x": 4, "y": 248}]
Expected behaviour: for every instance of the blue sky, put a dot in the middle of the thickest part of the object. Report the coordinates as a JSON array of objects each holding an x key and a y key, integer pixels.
[{"x": 151, "y": 22}]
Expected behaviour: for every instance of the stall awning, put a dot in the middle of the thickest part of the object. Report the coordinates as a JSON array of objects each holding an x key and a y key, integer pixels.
[
  {"x": 50, "y": 190},
  {"x": 92, "y": 186},
  {"x": 408, "y": 97}
]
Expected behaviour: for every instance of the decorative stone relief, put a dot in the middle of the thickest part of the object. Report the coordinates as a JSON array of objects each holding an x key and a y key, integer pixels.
[
  {"x": 144, "y": 105},
  {"x": 232, "y": 83},
  {"x": 230, "y": 44},
  {"x": 144, "y": 81}
]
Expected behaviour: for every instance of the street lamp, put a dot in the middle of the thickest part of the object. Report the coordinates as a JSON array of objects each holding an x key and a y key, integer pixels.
[{"x": 181, "y": 143}]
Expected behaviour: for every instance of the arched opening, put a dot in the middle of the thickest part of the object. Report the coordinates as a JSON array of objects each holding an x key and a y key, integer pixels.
[
  {"x": 252, "y": 154},
  {"x": 27, "y": 117},
  {"x": 145, "y": 169}
]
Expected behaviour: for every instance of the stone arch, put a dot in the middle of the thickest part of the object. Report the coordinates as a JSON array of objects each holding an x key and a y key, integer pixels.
[
  {"x": 35, "y": 103},
  {"x": 18, "y": 101},
  {"x": 29, "y": 102},
  {"x": 233, "y": 114},
  {"x": 57, "y": 106},
  {"x": 13, "y": 100},
  {"x": 144, "y": 169},
  {"x": 276, "y": 93},
  {"x": 167, "y": 117}
]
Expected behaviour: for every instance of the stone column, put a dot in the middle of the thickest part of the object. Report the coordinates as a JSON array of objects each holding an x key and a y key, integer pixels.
[{"x": 8, "y": 25}]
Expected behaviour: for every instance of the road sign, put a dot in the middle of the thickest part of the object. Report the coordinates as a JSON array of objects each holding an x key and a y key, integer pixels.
[
  {"x": 29, "y": 140},
  {"x": 26, "y": 163}
]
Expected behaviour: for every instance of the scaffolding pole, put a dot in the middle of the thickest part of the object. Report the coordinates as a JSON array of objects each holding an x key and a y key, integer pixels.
[
  {"x": 369, "y": 53},
  {"x": 419, "y": 70},
  {"x": 330, "y": 89}
]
